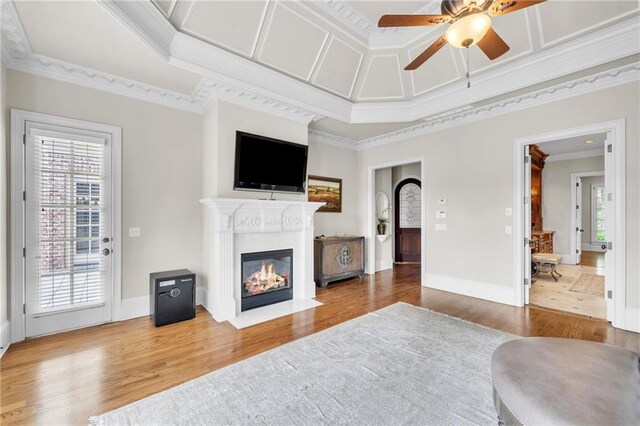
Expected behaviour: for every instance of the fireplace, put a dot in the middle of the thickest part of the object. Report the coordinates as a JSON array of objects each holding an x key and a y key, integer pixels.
[{"x": 267, "y": 278}]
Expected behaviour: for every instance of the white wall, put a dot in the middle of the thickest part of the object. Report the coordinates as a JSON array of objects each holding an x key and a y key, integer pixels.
[
  {"x": 384, "y": 250},
  {"x": 162, "y": 173},
  {"x": 472, "y": 165},
  {"x": 400, "y": 173},
  {"x": 587, "y": 195},
  {"x": 556, "y": 199},
  {"x": 4, "y": 194},
  {"x": 330, "y": 161}
]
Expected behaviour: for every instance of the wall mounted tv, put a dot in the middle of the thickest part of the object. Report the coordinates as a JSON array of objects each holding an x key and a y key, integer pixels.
[{"x": 267, "y": 164}]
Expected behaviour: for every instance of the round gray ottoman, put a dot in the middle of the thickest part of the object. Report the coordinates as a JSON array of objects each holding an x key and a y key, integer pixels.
[{"x": 549, "y": 381}]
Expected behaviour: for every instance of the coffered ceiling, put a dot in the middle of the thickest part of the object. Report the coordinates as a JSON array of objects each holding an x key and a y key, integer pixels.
[{"x": 309, "y": 59}]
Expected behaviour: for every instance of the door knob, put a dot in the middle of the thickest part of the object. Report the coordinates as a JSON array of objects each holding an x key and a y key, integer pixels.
[
  {"x": 106, "y": 252},
  {"x": 106, "y": 240},
  {"x": 603, "y": 247}
]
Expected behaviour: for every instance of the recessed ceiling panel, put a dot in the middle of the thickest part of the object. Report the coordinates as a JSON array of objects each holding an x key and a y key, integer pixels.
[
  {"x": 339, "y": 67},
  {"x": 514, "y": 29},
  {"x": 292, "y": 42},
  {"x": 382, "y": 78},
  {"x": 85, "y": 34},
  {"x": 439, "y": 70},
  {"x": 564, "y": 19},
  {"x": 231, "y": 24}
]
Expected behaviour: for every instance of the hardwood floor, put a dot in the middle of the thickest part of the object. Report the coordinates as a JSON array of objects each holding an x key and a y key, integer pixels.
[
  {"x": 65, "y": 378},
  {"x": 592, "y": 258}
]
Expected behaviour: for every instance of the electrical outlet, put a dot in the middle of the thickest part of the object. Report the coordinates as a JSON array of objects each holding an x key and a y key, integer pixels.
[
  {"x": 508, "y": 230},
  {"x": 508, "y": 211},
  {"x": 134, "y": 232}
]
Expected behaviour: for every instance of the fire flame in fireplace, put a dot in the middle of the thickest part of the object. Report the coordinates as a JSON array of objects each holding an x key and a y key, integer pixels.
[{"x": 263, "y": 280}]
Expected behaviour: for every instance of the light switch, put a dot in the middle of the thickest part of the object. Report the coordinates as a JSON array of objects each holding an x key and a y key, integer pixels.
[
  {"x": 441, "y": 227},
  {"x": 441, "y": 214},
  {"x": 508, "y": 211},
  {"x": 442, "y": 201},
  {"x": 134, "y": 232},
  {"x": 508, "y": 229}
]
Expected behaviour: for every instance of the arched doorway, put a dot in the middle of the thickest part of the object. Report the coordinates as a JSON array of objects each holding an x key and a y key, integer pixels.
[{"x": 407, "y": 209}]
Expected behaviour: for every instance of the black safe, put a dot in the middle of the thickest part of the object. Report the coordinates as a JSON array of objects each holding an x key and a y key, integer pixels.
[{"x": 173, "y": 296}]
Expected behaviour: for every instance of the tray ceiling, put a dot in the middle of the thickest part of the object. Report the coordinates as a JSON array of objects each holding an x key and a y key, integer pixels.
[{"x": 312, "y": 59}]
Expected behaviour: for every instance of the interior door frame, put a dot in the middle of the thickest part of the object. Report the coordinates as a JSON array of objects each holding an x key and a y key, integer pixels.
[
  {"x": 573, "y": 244},
  {"x": 370, "y": 232},
  {"x": 17, "y": 227},
  {"x": 615, "y": 131},
  {"x": 392, "y": 217}
]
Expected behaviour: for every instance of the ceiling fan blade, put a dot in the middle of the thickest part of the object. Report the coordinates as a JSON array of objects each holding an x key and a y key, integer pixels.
[
  {"x": 412, "y": 20},
  {"x": 431, "y": 50},
  {"x": 493, "y": 45},
  {"x": 502, "y": 7}
]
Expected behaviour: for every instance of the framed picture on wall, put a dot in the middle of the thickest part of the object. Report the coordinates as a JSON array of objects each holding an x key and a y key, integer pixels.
[{"x": 325, "y": 190}]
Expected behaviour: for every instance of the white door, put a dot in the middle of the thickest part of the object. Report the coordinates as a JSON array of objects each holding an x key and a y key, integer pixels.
[
  {"x": 68, "y": 228},
  {"x": 579, "y": 226},
  {"x": 527, "y": 224}
]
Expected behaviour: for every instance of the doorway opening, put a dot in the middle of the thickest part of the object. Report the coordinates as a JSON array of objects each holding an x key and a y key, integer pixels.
[
  {"x": 570, "y": 215},
  {"x": 396, "y": 214}
]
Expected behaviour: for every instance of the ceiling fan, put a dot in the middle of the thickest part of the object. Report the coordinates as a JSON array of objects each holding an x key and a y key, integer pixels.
[{"x": 470, "y": 25}]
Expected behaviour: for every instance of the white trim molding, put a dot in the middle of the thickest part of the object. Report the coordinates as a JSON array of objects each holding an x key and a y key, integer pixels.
[
  {"x": 632, "y": 319},
  {"x": 5, "y": 337},
  {"x": 478, "y": 289},
  {"x": 574, "y": 155}
]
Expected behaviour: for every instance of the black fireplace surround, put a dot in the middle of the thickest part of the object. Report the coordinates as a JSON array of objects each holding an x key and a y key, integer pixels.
[{"x": 267, "y": 278}]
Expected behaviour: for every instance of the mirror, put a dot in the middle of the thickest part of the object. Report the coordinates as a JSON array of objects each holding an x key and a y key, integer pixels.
[{"x": 382, "y": 205}]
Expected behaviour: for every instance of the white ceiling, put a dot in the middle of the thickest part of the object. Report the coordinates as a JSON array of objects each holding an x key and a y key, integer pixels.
[
  {"x": 322, "y": 58},
  {"x": 83, "y": 33},
  {"x": 574, "y": 145}
]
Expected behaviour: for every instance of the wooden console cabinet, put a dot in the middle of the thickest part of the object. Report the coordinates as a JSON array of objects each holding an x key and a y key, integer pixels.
[{"x": 337, "y": 258}]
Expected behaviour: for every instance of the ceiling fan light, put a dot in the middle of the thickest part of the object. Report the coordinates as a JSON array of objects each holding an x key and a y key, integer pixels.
[{"x": 469, "y": 30}]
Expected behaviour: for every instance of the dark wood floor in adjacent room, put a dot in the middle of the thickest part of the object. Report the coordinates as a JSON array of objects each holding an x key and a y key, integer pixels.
[{"x": 65, "y": 378}]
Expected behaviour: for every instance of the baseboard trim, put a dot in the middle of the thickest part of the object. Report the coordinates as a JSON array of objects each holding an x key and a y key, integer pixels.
[
  {"x": 5, "y": 337},
  {"x": 136, "y": 307},
  {"x": 384, "y": 264},
  {"x": 481, "y": 290},
  {"x": 632, "y": 319}
]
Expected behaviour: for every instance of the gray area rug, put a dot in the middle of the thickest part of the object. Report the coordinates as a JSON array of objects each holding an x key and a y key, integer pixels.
[{"x": 399, "y": 365}]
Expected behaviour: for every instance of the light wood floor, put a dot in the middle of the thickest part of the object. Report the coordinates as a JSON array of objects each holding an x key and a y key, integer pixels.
[
  {"x": 65, "y": 378},
  {"x": 548, "y": 293}
]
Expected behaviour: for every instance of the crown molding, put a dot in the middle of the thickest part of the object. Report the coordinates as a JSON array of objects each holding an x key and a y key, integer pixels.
[
  {"x": 331, "y": 139},
  {"x": 592, "y": 83},
  {"x": 575, "y": 155}
]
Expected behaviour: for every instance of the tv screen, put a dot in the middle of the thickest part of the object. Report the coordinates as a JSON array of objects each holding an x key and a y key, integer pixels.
[{"x": 269, "y": 164}]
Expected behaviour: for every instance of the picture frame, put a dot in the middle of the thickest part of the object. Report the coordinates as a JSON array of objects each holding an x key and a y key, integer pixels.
[{"x": 327, "y": 190}]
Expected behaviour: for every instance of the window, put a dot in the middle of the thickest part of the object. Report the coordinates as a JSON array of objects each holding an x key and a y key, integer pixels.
[{"x": 598, "y": 214}]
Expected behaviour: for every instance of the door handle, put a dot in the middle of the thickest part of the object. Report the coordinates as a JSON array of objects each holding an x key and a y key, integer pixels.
[
  {"x": 106, "y": 240},
  {"x": 106, "y": 252},
  {"x": 604, "y": 247}
]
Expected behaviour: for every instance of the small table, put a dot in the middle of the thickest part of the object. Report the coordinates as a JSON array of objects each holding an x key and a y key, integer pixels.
[{"x": 547, "y": 262}]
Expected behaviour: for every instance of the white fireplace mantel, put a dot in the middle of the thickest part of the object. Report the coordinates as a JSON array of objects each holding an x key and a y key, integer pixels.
[{"x": 234, "y": 226}]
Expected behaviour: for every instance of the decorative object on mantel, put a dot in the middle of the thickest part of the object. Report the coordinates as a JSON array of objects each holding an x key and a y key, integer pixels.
[
  {"x": 326, "y": 190},
  {"x": 337, "y": 258},
  {"x": 470, "y": 25}
]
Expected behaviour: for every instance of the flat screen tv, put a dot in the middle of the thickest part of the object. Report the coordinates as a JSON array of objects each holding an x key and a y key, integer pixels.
[{"x": 267, "y": 164}]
